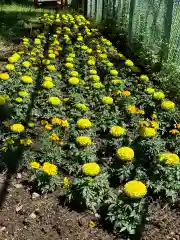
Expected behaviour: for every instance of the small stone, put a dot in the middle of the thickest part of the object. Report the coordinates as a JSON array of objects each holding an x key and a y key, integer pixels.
[
  {"x": 19, "y": 208},
  {"x": 19, "y": 176},
  {"x": 32, "y": 215},
  {"x": 35, "y": 195},
  {"x": 18, "y": 185},
  {"x": 2, "y": 229},
  {"x": 37, "y": 211},
  {"x": 97, "y": 215}
]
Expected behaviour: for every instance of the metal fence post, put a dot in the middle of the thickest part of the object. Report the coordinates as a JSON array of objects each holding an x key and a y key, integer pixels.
[
  {"x": 167, "y": 29},
  {"x": 131, "y": 14}
]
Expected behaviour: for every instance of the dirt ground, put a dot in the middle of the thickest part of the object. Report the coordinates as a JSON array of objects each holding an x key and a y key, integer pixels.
[{"x": 29, "y": 216}]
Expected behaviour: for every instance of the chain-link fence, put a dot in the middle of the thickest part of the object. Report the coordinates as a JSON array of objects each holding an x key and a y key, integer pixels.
[{"x": 155, "y": 23}]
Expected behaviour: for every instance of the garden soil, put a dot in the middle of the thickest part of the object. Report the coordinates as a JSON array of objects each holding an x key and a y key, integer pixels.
[{"x": 25, "y": 215}]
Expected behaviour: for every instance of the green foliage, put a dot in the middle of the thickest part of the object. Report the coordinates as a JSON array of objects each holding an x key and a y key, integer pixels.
[
  {"x": 89, "y": 192},
  {"x": 166, "y": 181},
  {"x": 44, "y": 182},
  {"x": 125, "y": 215}
]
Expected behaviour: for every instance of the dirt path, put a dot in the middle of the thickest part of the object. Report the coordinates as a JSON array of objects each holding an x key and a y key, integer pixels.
[{"x": 25, "y": 216}]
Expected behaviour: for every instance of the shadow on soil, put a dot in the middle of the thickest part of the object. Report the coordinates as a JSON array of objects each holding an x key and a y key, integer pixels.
[{"x": 10, "y": 160}]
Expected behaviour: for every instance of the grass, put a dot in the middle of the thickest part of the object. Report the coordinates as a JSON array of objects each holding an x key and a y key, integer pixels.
[{"x": 15, "y": 22}]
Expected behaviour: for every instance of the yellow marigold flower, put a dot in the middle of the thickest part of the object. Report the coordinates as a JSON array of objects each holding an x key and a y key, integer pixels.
[
  {"x": 48, "y": 126},
  {"x": 69, "y": 59},
  {"x": 31, "y": 124},
  {"x": 60, "y": 76},
  {"x": 129, "y": 63},
  {"x": 44, "y": 122},
  {"x": 49, "y": 168},
  {"x": 117, "y": 92},
  {"x": 72, "y": 55},
  {"x": 91, "y": 169},
  {"x": 117, "y": 131},
  {"x": 143, "y": 124},
  {"x": 37, "y": 41},
  {"x": 74, "y": 81},
  {"x": 89, "y": 50},
  {"x": 84, "y": 47},
  {"x": 121, "y": 56},
  {"x": 80, "y": 38},
  {"x": 26, "y": 79},
  {"x": 98, "y": 85},
  {"x": 117, "y": 81},
  {"x": 26, "y": 64},
  {"x": 135, "y": 189},
  {"x": 82, "y": 107},
  {"x": 149, "y": 91},
  {"x": 47, "y": 78},
  {"x": 167, "y": 105},
  {"x": 66, "y": 183},
  {"x": 56, "y": 121},
  {"x": 103, "y": 56},
  {"x": 26, "y": 141},
  {"x": 174, "y": 131},
  {"x": 113, "y": 72},
  {"x": 158, "y": 95},
  {"x": 169, "y": 158},
  {"x": 125, "y": 153},
  {"x": 84, "y": 123},
  {"x": 10, "y": 67},
  {"x": 95, "y": 78},
  {"x": 2, "y": 100},
  {"x": 107, "y": 100},
  {"x": 69, "y": 65},
  {"x": 23, "y": 93},
  {"x": 52, "y": 56},
  {"x": 83, "y": 141},
  {"x": 18, "y": 99},
  {"x": 91, "y": 224},
  {"x": 140, "y": 111},
  {"x": 154, "y": 116},
  {"x": 126, "y": 93},
  {"x": 17, "y": 128},
  {"x": 34, "y": 165},
  {"x": 64, "y": 123},
  {"x": 4, "y": 76},
  {"x": 132, "y": 109},
  {"x": 46, "y": 61},
  {"x": 48, "y": 84},
  {"x": 109, "y": 64},
  {"x": 147, "y": 132},
  {"x": 54, "y": 137},
  {"x": 91, "y": 62},
  {"x": 144, "y": 78},
  {"x": 51, "y": 68},
  {"x": 54, "y": 100},
  {"x": 154, "y": 124},
  {"x": 13, "y": 59},
  {"x": 92, "y": 72},
  {"x": 74, "y": 74}
]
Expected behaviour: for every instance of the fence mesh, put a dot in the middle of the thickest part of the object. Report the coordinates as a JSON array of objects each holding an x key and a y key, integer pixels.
[{"x": 153, "y": 22}]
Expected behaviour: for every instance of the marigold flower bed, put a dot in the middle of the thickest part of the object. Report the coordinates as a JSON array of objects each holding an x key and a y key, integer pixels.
[{"x": 90, "y": 122}]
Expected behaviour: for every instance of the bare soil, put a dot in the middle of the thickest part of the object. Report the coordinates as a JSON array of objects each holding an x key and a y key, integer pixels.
[
  {"x": 24, "y": 216},
  {"x": 43, "y": 218}
]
